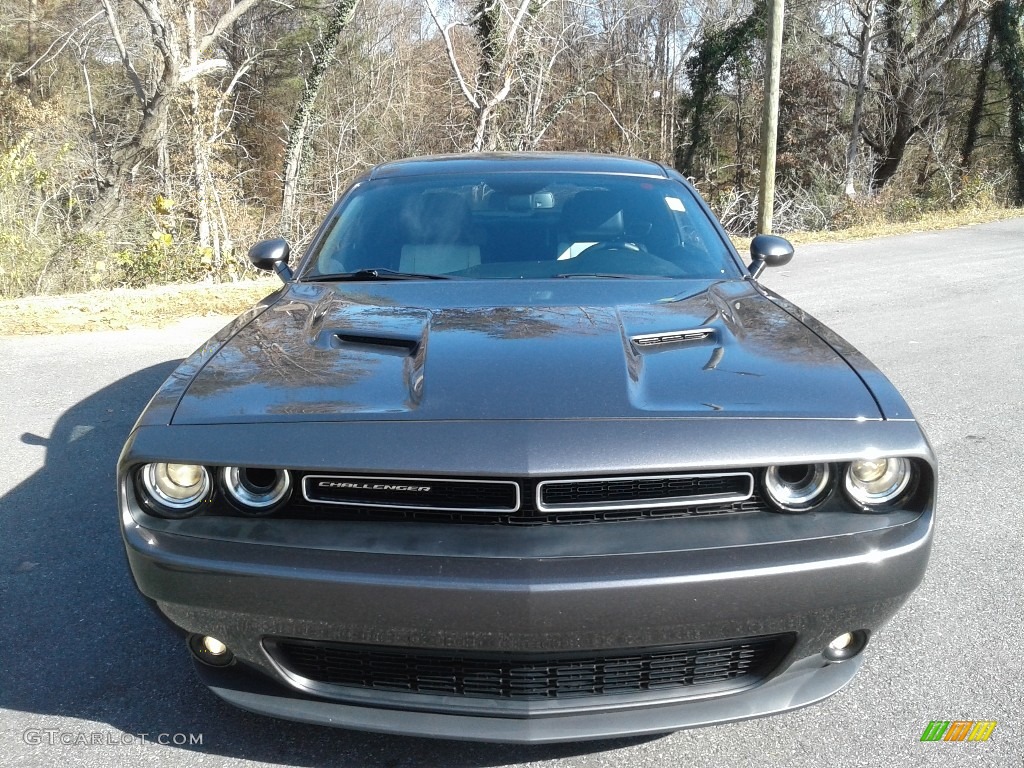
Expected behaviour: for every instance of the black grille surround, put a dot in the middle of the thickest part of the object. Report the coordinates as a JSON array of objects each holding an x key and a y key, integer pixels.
[
  {"x": 427, "y": 493},
  {"x": 529, "y": 514},
  {"x": 683, "y": 669},
  {"x": 587, "y": 494}
]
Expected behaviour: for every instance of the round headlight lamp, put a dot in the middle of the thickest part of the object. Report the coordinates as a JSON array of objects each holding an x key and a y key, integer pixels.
[
  {"x": 256, "y": 490},
  {"x": 878, "y": 482},
  {"x": 177, "y": 488},
  {"x": 797, "y": 487}
]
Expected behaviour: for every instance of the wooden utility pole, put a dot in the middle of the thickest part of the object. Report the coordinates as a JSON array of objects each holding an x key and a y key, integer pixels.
[{"x": 770, "y": 119}]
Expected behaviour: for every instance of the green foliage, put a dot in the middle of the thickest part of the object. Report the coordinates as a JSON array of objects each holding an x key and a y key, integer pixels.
[
  {"x": 159, "y": 260},
  {"x": 704, "y": 68},
  {"x": 33, "y": 212}
]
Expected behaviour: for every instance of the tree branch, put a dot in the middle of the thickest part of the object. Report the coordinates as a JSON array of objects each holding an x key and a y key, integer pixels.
[
  {"x": 202, "y": 68},
  {"x": 115, "y": 31},
  {"x": 450, "y": 50},
  {"x": 226, "y": 20}
]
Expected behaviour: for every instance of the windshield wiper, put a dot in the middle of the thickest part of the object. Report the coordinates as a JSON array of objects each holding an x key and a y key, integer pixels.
[
  {"x": 377, "y": 273},
  {"x": 610, "y": 275}
]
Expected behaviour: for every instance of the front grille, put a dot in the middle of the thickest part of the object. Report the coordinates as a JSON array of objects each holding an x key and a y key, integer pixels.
[
  {"x": 726, "y": 665},
  {"x": 441, "y": 494},
  {"x": 526, "y": 516},
  {"x": 649, "y": 491},
  {"x": 524, "y": 501},
  {"x": 545, "y": 502}
]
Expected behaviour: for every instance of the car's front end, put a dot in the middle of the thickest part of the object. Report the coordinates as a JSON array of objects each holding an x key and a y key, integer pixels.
[{"x": 552, "y": 512}]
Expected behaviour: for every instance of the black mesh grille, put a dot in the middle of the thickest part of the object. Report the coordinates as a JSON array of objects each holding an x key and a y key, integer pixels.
[
  {"x": 653, "y": 489},
  {"x": 526, "y": 515},
  {"x": 733, "y": 663}
]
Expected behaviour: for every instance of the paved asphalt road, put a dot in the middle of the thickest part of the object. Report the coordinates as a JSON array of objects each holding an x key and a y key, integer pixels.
[{"x": 85, "y": 669}]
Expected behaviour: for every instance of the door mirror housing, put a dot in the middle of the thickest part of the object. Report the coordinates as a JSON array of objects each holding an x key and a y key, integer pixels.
[
  {"x": 272, "y": 256},
  {"x": 769, "y": 251}
]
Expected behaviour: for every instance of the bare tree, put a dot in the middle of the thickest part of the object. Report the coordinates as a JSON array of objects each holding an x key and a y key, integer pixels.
[
  {"x": 918, "y": 44},
  {"x": 322, "y": 52},
  {"x": 510, "y": 61},
  {"x": 863, "y": 58},
  {"x": 178, "y": 63}
]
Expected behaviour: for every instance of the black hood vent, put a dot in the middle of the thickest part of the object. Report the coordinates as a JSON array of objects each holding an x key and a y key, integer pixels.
[{"x": 673, "y": 337}]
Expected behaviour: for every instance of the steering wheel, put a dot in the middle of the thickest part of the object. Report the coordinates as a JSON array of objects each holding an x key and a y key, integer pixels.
[{"x": 609, "y": 246}]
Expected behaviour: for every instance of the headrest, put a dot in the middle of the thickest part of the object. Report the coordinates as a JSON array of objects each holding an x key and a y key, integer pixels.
[
  {"x": 593, "y": 215},
  {"x": 436, "y": 217}
]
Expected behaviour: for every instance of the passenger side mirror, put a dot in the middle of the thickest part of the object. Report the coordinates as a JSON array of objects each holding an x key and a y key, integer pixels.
[
  {"x": 272, "y": 256},
  {"x": 769, "y": 251}
]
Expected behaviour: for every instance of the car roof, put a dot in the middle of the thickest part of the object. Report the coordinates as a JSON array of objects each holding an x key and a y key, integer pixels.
[{"x": 518, "y": 162}]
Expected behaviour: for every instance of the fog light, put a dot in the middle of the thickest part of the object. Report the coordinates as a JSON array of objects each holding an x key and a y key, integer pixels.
[
  {"x": 841, "y": 643},
  {"x": 216, "y": 647},
  {"x": 210, "y": 651},
  {"x": 846, "y": 645}
]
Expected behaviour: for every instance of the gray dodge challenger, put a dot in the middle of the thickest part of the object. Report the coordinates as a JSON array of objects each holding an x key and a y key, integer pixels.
[{"x": 522, "y": 451}]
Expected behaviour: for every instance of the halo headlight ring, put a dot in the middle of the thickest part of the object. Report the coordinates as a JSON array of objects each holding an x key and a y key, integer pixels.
[
  {"x": 798, "y": 488},
  {"x": 875, "y": 485},
  {"x": 256, "y": 491},
  {"x": 174, "y": 490}
]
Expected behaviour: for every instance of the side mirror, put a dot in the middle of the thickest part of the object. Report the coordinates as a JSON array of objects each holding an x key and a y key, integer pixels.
[
  {"x": 272, "y": 256},
  {"x": 769, "y": 251}
]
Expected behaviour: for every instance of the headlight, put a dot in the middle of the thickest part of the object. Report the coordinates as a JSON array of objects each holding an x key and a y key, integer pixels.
[
  {"x": 798, "y": 487},
  {"x": 878, "y": 482},
  {"x": 256, "y": 490},
  {"x": 177, "y": 488}
]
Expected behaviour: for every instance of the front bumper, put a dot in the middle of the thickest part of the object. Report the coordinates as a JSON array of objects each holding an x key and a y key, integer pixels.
[
  {"x": 430, "y": 587},
  {"x": 803, "y": 683}
]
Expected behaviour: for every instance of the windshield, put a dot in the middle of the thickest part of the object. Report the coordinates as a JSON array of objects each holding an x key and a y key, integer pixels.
[{"x": 520, "y": 225}]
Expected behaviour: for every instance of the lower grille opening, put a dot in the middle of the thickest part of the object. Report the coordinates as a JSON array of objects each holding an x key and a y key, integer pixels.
[{"x": 726, "y": 665}]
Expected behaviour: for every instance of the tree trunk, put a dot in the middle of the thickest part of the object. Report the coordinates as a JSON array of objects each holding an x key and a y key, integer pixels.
[
  {"x": 1006, "y": 27},
  {"x": 151, "y": 133},
  {"x": 858, "y": 104},
  {"x": 323, "y": 52},
  {"x": 198, "y": 140},
  {"x": 32, "y": 78},
  {"x": 891, "y": 155},
  {"x": 978, "y": 105},
  {"x": 704, "y": 68}
]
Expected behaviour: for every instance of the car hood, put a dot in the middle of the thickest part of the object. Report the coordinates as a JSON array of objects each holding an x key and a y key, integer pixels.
[{"x": 485, "y": 350}]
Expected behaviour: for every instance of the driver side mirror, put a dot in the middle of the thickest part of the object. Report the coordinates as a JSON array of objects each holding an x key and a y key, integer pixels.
[
  {"x": 272, "y": 256},
  {"x": 769, "y": 251}
]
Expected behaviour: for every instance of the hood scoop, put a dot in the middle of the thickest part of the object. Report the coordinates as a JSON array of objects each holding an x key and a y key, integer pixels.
[
  {"x": 381, "y": 343},
  {"x": 672, "y": 337}
]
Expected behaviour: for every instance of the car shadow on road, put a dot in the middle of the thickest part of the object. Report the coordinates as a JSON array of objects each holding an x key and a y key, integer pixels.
[{"x": 79, "y": 641}]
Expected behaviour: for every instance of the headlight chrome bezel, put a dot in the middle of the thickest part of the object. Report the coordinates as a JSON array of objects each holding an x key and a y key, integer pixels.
[
  {"x": 798, "y": 488},
  {"x": 165, "y": 496},
  {"x": 255, "y": 499},
  {"x": 873, "y": 485},
  {"x": 895, "y": 480}
]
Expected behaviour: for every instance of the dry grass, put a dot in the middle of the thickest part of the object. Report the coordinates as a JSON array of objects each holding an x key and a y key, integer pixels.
[
  {"x": 128, "y": 308},
  {"x": 160, "y": 306},
  {"x": 929, "y": 222}
]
